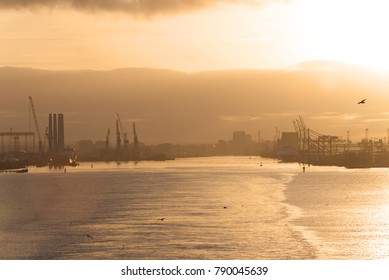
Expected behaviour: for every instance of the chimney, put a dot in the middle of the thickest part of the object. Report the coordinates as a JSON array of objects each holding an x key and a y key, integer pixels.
[
  {"x": 50, "y": 133},
  {"x": 61, "y": 134},
  {"x": 55, "y": 132}
]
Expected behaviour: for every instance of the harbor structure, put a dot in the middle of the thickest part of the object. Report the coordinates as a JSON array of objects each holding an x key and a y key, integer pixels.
[
  {"x": 308, "y": 146},
  {"x": 288, "y": 146},
  {"x": 58, "y": 155},
  {"x": 56, "y": 133}
]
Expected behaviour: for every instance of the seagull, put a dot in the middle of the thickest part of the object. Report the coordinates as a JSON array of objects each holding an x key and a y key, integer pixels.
[
  {"x": 87, "y": 235},
  {"x": 362, "y": 101}
]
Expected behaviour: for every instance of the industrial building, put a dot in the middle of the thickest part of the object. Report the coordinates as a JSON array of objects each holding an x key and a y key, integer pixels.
[
  {"x": 57, "y": 154},
  {"x": 288, "y": 146},
  {"x": 307, "y": 146}
]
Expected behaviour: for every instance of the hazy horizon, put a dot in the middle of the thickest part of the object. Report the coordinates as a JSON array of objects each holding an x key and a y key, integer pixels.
[{"x": 201, "y": 107}]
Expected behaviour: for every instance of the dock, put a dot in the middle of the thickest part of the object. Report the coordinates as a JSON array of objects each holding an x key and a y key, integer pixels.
[{"x": 310, "y": 147}]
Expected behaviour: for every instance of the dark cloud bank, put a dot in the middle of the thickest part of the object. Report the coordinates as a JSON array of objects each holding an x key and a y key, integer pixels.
[{"x": 145, "y": 7}]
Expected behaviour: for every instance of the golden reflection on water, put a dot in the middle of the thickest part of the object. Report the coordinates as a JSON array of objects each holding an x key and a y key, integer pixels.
[
  {"x": 346, "y": 209},
  {"x": 203, "y": 208},
  {"x": 213, "y": 208}
]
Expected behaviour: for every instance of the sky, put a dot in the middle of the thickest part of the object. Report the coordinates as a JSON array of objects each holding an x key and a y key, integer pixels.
[
  {"x": 191, "y": 35},
  {"x": 194, "y": 36}
]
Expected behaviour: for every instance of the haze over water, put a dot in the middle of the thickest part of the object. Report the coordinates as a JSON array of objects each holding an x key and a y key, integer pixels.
[{"x": 213, "y": 208}]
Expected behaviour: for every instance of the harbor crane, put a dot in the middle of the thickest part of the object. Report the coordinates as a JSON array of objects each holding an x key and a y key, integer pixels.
[
  {"x": 136, "y": 148},
  {"x": 125, "y": 139},
  {"x": 118, "y": 138},
  {"x": 107, "y": 139},
  {"x": 36, "y": 125}
]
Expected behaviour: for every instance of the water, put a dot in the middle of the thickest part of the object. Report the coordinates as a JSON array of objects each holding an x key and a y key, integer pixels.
[
  {"x": 347, "y": 211},
  {"x": 212, "y": 208}
]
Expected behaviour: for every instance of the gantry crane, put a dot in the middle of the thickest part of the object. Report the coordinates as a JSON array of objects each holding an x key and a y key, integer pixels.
[
  {"x": 107, "y": 139},
  {"x": 125, "y": 139},
  {"x": 118, "y": 138},
  {"x": 136, "y": 148},
  {"x": 36, "y": 126}
]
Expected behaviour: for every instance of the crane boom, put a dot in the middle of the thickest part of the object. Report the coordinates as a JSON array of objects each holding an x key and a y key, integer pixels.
[
  {"x": 136, "y": 142},
  {"x": 120, "y": 123},
  {"x": 107, "y": 139},
  {"x": 36, "y": 124},
  {"x": 118, "y": 138},
  {"x": 135, "y": 136},
  {"x": 123, "y": 134}
]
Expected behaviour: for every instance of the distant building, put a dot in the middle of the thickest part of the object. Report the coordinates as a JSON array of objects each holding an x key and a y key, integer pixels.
[
  {"x": 287, "y": 146},
  {"x": 241, "y": 142}
]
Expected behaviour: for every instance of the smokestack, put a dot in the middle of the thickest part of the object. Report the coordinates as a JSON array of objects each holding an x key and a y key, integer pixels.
[
  {"x": 55, "y": 132},
  {"x": 50, "y": 133},
  {"x": 61, "y": 132}
]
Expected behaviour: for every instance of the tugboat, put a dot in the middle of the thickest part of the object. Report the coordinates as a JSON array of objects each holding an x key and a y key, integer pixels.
[{"x": 12, "y": 165}]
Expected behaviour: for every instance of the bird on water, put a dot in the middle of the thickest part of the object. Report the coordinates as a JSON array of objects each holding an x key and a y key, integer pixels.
[{"x": 89, "y": 236}]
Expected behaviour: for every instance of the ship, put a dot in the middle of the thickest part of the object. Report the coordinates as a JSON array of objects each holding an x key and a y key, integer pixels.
[{"x": 12, "y": 165}]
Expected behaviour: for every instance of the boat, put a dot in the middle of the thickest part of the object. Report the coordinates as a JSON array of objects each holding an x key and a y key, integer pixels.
[
  {"x": 12, "y": 165},
  {"x": 18, "y": 170}
]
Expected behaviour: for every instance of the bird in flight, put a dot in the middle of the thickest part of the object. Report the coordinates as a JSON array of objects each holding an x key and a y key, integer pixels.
[
  {"x": 362, "y": 101},
  {"x": 161, "y": 219},
  {"x": 89, "y": 236}
]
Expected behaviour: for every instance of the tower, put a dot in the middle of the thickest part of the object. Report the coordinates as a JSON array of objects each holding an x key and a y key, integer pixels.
[{"x": 56, "y": 133}]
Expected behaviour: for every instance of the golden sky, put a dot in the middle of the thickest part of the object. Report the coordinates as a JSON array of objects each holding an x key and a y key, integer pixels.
[{"x": 192, "y": 35}]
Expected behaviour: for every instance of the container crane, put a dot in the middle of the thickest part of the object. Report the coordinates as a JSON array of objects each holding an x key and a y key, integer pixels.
[
  {"x": 36, "y": 125},
  {"x": 125, "y": 139},
  {"x": 118, "y": 138},
  {"x": 107, "y": 139},
  {"x": 136, "y": 148}
]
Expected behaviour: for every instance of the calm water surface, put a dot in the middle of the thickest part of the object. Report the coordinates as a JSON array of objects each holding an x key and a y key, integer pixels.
[{"x": 212, "y": 208}]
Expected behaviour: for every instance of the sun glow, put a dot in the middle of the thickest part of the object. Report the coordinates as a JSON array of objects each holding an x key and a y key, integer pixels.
[
  {"x": 277, "y": 34},
  {"x": 347, "y": 31}
]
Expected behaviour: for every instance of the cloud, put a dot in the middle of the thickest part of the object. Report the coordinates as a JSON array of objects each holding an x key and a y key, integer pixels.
[
  {"x": 136, "y": 7},
  {"x": 279, "y": 115},
  {"x": 249, "y": 118},
  {"x": 376, "y": 120},
  {"x": 335, "y": 115},
  {"x": 239, "y": 118}
]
